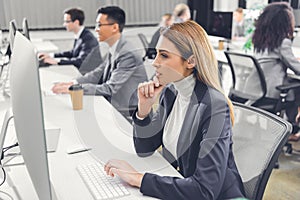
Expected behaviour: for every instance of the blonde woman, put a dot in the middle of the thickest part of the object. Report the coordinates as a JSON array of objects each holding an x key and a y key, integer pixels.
[{"x": 192, "y": 123}]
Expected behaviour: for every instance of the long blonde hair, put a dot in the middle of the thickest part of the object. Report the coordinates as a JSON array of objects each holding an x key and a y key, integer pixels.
[{"x": 191, "y": 39}]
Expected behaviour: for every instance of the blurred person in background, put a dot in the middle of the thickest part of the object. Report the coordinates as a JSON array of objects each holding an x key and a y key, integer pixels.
[
  {"x": 83, "y": 44},
  {"x": 166, "y": 21}
]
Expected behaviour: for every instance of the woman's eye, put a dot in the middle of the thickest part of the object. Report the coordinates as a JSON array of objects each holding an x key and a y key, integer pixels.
[{"x": 164, "y": 55}]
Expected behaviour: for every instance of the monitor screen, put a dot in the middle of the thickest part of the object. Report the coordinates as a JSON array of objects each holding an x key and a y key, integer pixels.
[
  {"x": 25, "y": 28},
  {"x": 220, "y": 24},
  {"x": 28, "y": 114}
]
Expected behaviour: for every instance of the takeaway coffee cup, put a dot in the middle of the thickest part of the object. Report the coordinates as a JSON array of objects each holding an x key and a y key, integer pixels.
[
  {"x": 76, "y": 92},
  {"x": 221, "y": 44}
]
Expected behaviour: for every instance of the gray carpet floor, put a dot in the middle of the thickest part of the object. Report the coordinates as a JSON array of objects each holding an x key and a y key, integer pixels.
[{"x": 284, "y": 183}]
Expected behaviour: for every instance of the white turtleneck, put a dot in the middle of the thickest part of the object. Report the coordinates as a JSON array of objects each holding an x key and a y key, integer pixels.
[{"x": 185, "y": 88}]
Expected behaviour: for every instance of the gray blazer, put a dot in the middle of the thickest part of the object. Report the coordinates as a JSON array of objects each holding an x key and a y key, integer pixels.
[
  {"x": 274, "y": 65},
  {"x": 128, "y": 71}
]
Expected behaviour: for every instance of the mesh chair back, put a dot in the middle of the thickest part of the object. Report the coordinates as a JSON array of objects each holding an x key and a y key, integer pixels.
[
  {"x": 144, "y": 42},
  {"x": 248, "y": 78},
  {"x": 258, "y": 138}
]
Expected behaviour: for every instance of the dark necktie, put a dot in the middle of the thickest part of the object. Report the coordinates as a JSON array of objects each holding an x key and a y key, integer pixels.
[
  {"x": 74, "y": 43},
  {"x": 106, "y": 73}
]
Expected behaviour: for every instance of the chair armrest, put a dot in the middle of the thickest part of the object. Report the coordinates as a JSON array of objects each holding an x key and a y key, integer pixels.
[{"x": 286, "y": 87}]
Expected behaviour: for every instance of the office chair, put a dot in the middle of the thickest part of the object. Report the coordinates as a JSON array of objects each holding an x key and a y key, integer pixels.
[
  {"x": 243, "y": 67},
  {"x": 145, "y": 44},
  {"x": 258, "y": 138},
  {"x": 245, "y": 70},
  {"x": 150, "y": 70}
]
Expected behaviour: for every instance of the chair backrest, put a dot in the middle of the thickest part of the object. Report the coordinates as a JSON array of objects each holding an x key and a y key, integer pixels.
[
  {"x": 258, "y": 138},
  {"x": 144, "y": 42},
  {"x": 248, "y": 78}
]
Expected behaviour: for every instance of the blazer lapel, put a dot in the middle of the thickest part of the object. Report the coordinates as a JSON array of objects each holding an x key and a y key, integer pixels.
[
  {"x": 77, "y": 43},
  {"x": 114, "y": 59}
]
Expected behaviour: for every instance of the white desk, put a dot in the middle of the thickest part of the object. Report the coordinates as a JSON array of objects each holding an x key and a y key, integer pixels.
[
  {"x": 99, "y": 126},
  {"x": 45, "y": 46}
]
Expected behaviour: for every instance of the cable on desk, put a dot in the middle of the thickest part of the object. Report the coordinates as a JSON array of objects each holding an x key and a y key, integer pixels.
[
  {"x": 2, "y": 156},
  {"x": 8, "y": 148},
  {"x": 4, "y": 174}
]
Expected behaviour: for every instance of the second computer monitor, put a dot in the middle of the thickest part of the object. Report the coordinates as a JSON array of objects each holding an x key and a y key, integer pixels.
[
  {"x": 220, "y": 24},
  {"x": 25, "y": 28},
  {"x": 12, "y": 33}
]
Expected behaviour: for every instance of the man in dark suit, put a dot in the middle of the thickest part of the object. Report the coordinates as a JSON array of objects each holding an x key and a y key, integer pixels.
[
  {"x": 117, "y": 78},
  {"x": 84, "y": 41}
]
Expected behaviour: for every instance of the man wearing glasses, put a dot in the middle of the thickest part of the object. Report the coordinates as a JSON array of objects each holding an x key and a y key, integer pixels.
[
  {"x": 83, "y": 44},
  {"x": 117, "y": 78}
]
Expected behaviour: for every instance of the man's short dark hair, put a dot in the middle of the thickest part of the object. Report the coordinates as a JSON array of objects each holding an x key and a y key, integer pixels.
[
  {"x": 76, "y": 14},
  {"x": 114, "y": 14}
]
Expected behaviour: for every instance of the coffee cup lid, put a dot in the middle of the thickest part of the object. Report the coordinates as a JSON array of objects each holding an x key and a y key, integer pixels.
[{"x": 76, "y": 87}]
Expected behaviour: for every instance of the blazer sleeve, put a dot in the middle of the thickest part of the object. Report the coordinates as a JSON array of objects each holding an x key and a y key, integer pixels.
[
  {"x": 288, "y": 57},
  {"x": 125, "y": 66},
  {"x": 208, "y": 178},
  {"x": 76, "y": 61},
  {"x": 147, "y": 133},
  {"x": 92, "y": 78},
  {"x": 66, "y": 54}
]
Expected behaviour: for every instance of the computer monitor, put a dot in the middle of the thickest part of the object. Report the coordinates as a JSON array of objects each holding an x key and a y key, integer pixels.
[
  {"x": 11, "y": 35},
  {"x": 220, "y": 24},
  {"x": 25, "y": 28},
  {"x": 28, "y": 114}
]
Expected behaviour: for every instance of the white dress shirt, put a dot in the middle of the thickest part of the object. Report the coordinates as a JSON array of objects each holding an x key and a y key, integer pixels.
[{"x": 77, "y": 35}]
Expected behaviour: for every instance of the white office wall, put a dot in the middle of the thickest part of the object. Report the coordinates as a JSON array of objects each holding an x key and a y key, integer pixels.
[
  {"x": 49, "y": 13},
  {"x": 252, "y": 3},
  {"x": 146, "y": 11},
  {"x": 45, "y": 13},
  {"x": 231, "y": 5},
  {"x": 225, "y": 5}
]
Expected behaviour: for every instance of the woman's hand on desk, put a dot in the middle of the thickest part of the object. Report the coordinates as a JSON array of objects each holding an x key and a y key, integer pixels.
[
  {"x": 147, "y": 94},
  {"x": 125, "y": 171},
  {"x": 60, "y": 88}
]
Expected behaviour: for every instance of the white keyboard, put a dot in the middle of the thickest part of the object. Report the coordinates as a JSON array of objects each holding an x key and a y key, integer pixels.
[{"x": 99, "y": 183}]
